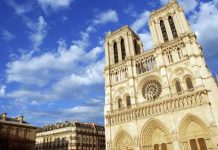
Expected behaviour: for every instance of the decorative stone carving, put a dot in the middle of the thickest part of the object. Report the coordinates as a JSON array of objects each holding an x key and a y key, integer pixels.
[{"x": 151, "y": 90}]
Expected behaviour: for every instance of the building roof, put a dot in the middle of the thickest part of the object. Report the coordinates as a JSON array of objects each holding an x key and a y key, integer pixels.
[
  {"x": 18, "y": 121},
  {"x": 69, "y": 124}
]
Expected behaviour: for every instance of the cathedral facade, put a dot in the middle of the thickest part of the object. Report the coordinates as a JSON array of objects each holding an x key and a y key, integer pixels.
[{"x": 162, "y": 99}]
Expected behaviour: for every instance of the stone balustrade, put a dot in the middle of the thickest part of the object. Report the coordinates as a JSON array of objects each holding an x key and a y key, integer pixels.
[{"x": 191, "y": 99}]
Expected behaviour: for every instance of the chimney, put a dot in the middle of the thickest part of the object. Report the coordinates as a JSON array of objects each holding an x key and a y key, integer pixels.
[
  {"x": 4, "y": 116},
  {"x": 20, "y": 119}
]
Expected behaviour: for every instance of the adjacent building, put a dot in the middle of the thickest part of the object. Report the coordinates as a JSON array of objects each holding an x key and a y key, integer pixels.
[
  {"x": 164, "y": 98},
  {"x": 16, "y": 134},
  {"x": 71, "y": 136}
]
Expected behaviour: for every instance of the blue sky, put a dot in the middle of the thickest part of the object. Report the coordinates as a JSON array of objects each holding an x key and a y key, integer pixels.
[{"x": 52, "y": 55}]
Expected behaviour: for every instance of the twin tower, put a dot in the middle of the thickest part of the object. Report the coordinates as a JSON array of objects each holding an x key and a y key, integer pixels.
[{"x": 164, "y": 98}]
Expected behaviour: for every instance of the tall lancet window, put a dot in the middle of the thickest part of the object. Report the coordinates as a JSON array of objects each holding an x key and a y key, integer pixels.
[
  {"x": 173, "y": 28},
  {"x": 164, "y": 31},
  {"x": 136, "y": 46},
  {"x": 115, "y": 53},
  {"x": 123, "y": 50}
]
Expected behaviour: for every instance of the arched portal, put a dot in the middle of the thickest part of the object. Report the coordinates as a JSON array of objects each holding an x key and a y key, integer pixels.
[
  {"x": 194, "y": 133},
  {"x": 155, "y": 136},
  {"x": 123, "y": 141}
]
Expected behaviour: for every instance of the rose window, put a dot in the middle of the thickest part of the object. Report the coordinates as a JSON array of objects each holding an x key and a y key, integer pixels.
[{"x": 151, "y": 90}]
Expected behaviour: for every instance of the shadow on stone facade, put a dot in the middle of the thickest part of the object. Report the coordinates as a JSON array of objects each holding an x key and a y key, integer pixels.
[{"x": 14, "y": 143}]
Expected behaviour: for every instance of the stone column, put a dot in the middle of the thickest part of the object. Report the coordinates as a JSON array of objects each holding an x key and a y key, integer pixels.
[
  {"x": 169, "y": 32},
  {"x": 180, "y": 22},
  {"x": 119, "y": 50},
  {"x": 177, "y": 24},
  {"x": 153, "y": 33},
  {"x": 111, "y": 53},
  {"x": 184, "y": 21},
  {"x": 176, "y": 145},
  {"x": 107, "y": 56},
  {"x": 127, "y": 48},
  {"x": 160, "y": 36},
  {"x": 131, "y": 45}
]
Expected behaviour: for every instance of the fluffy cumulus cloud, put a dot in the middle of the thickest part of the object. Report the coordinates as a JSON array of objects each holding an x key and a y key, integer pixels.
[
  {"x": 40, "y": 70},
  {"x": 105, "y": 17},
  {"x": 69, "y": 71},
  {"x": 204, "y": 24},
  {"x": 55, "y": 4}
]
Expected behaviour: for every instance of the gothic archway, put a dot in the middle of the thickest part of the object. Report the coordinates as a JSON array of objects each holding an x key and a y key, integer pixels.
[
  {"x": 155, "y": 135},
  {"x": 194, "y": 133},
  {"x": 123, "y": 141}
]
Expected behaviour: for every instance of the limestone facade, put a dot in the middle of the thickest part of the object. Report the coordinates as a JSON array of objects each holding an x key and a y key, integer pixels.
[
  {"x": 71, "y": 136},
  {"x": 162, "y": 99},
  {"x": 16, "y": 134}
]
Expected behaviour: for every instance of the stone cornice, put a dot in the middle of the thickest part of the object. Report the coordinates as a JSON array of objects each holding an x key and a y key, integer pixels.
[
  {"x": 166, "y": 8},
  {"x": 120, "y": 31}
]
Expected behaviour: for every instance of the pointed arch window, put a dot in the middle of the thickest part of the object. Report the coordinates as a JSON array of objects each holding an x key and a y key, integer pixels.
[
  {"x": 136, "y": 47},
  {"x": 178, "y": 87},
  {"x": 128, "y": 101},
  {"x": 115, "y": 53},
  {"x": 164, "y": 31},
  {"x": 189, "y": 83},
  {"x": 119, "y": 103},
  {"x": 123, "y": 50},
  {"x": 172, "y": 26}
]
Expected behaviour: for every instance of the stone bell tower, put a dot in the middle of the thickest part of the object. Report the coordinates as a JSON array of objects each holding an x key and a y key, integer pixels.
[
  {"x": 120, "y": 47},
  {"x": 164, "y": 98}
]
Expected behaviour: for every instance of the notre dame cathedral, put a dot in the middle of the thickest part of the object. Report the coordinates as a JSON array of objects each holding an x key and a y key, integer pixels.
[{"x": 162, "y": 99}]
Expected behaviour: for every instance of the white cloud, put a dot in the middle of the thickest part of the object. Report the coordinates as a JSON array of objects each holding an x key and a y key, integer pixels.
[
  {"x": 20, "y": 9},
  {"x": 2, "y": 90},
  {"x": 188, "y": 5},
  {"x": 146, "y": 40},
  {"x": 39, "y": 33},
  {"x": 141, "y": 24},
  {"x": 80, "y": 109},
  {"x": 141, "y": 21},
  {"x": 28, "y": 96},
  {"x": 163, "y": 2},
  {"x": 105, "y": 17},
  {"x": 79, "y": 81},
  {"x": 90, "y": 113},
  {"x": 205, "y": 26},
  {"x": 130, "y": 10},
  {"x": 7, "y": 36},
  {"x": 54, "y": 4}
]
